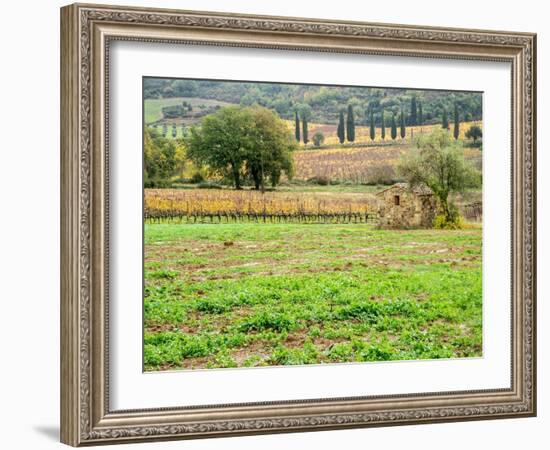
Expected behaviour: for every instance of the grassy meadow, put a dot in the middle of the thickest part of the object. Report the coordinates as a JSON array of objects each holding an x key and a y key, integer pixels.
[{"x": 246, "y": 295}]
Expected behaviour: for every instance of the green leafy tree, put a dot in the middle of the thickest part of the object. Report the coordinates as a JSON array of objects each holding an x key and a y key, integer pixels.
[
  {"x": 444, "y": 120},
  {"x": 393, "y": 127},
  {"x": 420, "y": 114},
  {"x": 402, "y": 130},
  {"x": 185, "y": 88},
  {"x": 340, "y": 131},
  {"x": 438, "y": 162},
  {"x": 304, "y": 111},
  {"x": 305, "y": 136},
  {"x": 162, "y": 158},
  {"x": 164, "y": 129},
  {"x": 413, "y": 120},
  {"x": 222, "y": 142},
  {"x": 474, "y": 132},
  {"x": 296, "y": 126},
  {"x": 350, "y": 125},
  {"x": 242, "y": 142},
  {"x": 174, "y": 130},
  {"x": 372, "y": 130},
  {"x": 456, "y": 130},
  {"x": 318, "y": 139},
  {"x": 382, "y": 126},
  {"x": 270, "y": 148}
]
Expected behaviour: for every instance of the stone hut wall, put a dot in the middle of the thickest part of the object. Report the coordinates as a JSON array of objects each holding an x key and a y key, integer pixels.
[
  {"x": 413, "y": 210},
  {"x": 429, "y": 210}
]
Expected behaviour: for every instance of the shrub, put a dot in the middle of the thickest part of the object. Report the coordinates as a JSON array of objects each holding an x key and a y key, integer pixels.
[
  {"x": 197, "y": 177},
  {"x": 156, "y": 183},
  {"x": 453, "y": 222},
  {"x": 474, "y": 132},
  {"x": 318, "y": 139},
  {"x": 173, "y": 112},
  {"x": 209, "y": 185},
  {"x": 381, "y": 175},
  {"x": 320, "y": 180}
]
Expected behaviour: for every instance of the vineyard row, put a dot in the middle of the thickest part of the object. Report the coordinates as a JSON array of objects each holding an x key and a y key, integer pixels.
[{"x": 223, "y": 217}]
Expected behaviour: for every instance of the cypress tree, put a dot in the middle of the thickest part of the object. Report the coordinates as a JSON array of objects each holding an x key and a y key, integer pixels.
[
  {"x": 420, "y": 116},
  {"x": 350, "y": 125},
  {"x": 382, "y": 126},
  {"x": 372, "y": 129},
  {"x": 340, "y": 132},
  {"x": 402, "y": 124},
  {"x": 296, "y": 126},
  {"x": 456, "y": 131},
  {"x": 164, "y": 129},
  {"x": 413, "y": 117},
  {"x": 444, "y": 120},
  {"x": 393, "y": 126},
  {"x": 304, "y": 130}
]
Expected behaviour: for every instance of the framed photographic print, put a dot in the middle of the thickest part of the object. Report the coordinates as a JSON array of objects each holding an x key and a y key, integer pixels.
[{"x": 278, "y": 224}]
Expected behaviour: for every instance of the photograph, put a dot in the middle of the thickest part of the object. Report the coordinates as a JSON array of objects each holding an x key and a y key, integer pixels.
[{"x": 298, "y": 224}]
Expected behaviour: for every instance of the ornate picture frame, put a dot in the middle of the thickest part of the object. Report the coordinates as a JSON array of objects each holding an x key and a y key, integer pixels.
[{"x": 86, "y": 34}]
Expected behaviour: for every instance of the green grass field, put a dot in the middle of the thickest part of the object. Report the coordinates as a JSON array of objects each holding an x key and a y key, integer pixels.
[
  {"x": 243, "y": 295},
  {"x": 153, "y": 106}
]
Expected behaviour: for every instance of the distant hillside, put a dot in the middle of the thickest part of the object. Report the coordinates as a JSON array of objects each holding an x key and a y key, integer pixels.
[
  {"x": 157, "y": 109},
  {"x": 322, "y": 104}
]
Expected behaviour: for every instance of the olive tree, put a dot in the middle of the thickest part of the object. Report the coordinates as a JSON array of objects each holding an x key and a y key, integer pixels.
[{"x": 437, "y": 161}]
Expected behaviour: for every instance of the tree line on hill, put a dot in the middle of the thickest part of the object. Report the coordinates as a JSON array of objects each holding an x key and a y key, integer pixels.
[
  {"x": 322, "y": 104},
  {"x": 346, "y": 124}
]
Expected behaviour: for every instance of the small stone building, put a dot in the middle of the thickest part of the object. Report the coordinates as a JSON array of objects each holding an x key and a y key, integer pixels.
[{"x": 401, "y": 206}]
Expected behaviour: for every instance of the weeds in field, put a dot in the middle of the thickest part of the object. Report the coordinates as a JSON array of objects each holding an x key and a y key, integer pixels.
[{"x": 287, "y": 294}]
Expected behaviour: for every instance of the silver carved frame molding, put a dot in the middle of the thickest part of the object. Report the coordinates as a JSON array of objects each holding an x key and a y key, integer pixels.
[{"x": 86, "y": 32}]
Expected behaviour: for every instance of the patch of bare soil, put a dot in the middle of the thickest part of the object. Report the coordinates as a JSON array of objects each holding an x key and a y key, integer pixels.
[{"x": 257, "y": 348}]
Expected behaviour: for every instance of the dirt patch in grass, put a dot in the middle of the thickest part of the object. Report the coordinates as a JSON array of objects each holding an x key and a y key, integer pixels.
[
  {"x": 259, "y": 349},
  {"x": 194, "y": 363}
]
